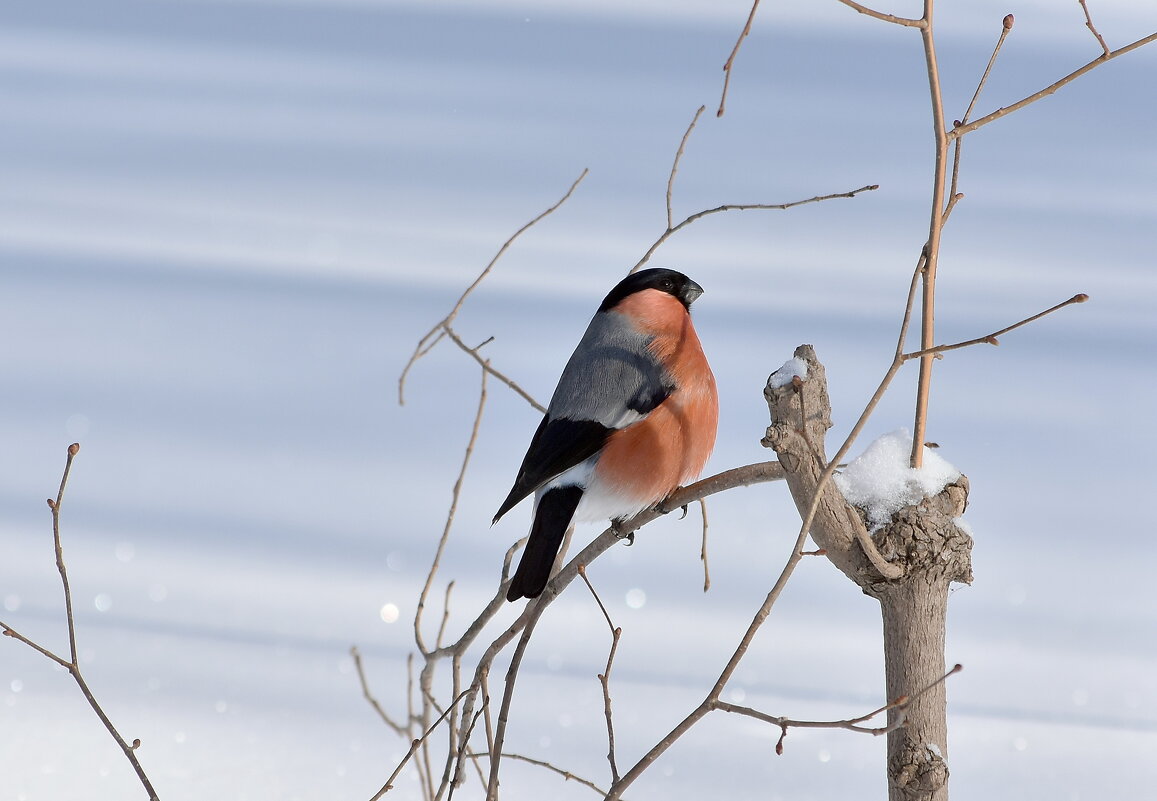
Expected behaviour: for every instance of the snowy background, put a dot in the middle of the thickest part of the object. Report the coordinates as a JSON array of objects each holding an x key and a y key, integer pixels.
[{"x": 224, "y": 225}]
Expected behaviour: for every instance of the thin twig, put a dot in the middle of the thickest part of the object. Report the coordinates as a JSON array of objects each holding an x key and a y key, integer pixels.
[
  {"x": 369, "y": 696},
  {"x": 8, "y": 631},
  {"x": 730, "y": 63},
  {"x": 1093, "y": 28},
  {"x": 566, "y": 774},
  {"x": 454, "y": 496},
  {"x": 744, "y": 207},
  {"x": 445, "y": 615},
  {"x": 678, "y": 158},
  {"x": 1048, "y": 90},
  {"x": 703, "y": 548},
  {"x": 73, "y": 665},
  {"x": 953, "y": 195},
  {"x": 536, "y": 608},
  {"x": 389, "y": 785},
  {"x": 852, "y": 724},
  {"x": 910, "y": 23},
  {"x": 485, "y": 364},
  {"x": 424, "y": 343},
  {"x": 991, "y": 339},
  {"x": 73, "y": 449},
  {"x": 465, "y": 743},
  {"x": 605, "y": 676},
  {"x": 1005, "y": 27}
]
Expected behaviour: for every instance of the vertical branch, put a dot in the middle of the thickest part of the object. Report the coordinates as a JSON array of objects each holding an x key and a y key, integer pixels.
[
  {"x": 703, "y": 548},
  {"x": 454, "y": 496},
  {"x": 539, "y": 606},
  {"x": 73, "y": 449},
  {"x": 935, "y": 226},
  {"x": 605, "y": 676}
]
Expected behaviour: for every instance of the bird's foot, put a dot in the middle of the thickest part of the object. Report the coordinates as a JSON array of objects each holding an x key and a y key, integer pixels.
[
  {"x": 617, "y": 528},
  {"x": 662, "y": 508}
]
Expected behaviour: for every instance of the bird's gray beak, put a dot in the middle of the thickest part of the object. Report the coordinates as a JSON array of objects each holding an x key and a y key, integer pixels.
[{"x": 691, "y": 291}]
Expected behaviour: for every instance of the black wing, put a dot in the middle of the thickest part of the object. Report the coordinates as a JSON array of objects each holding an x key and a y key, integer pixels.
[{"x": 557, "y": 446}]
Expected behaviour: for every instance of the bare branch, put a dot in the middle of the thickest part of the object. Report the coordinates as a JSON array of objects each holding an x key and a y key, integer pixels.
[
  {"x": 744, "y": 207},
  {"x": 991, "y": 339},
  {"x": 73, "y": 449},
  {"x": 73, "y": 666},
  {"x": 425, "y": 343},
  {"x": 703, "y": 548},
  {"x": 605, "y": 676},
  {"x": 953, "y": 195},
  {"x": 369, "y": 696},
  {"x": 730, "y": 63},
  {"x": 678, "y": 158},
  {"x": 1048, "y": 90},
  {"x": 1093, "y": 29},
  {"x": 566, "y": 774},
  {"x": 8, "y": 631},
  {"x": 852, "y": 724},
  {"x": 454, "y": 496},
  {"x": 533, "y": 613},
  {"x": 485, "y": 364},
  {"x": 911, "y": 23},
  {"x": 935, "y": 228},
  {"x": 389, "y": 785},
  {"x": 445, "y": 615}
]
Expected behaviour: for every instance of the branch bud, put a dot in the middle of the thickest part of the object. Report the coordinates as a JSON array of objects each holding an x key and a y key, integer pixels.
[
  {"x": 1009, "y": 19},
  {"x": 992, "y": 340},
  {"x": 51, "y": 503},
  {"x": 74, "y": 449},
  {"x": 1081, "y": 298},
  {"x": 136, "y": 744}
]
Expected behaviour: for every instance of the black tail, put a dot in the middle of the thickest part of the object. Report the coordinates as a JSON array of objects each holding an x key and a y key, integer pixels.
[{"x": 551, "y": 519}]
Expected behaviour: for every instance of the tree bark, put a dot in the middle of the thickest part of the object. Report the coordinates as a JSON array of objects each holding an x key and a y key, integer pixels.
[{"x": 923, "y": 549}]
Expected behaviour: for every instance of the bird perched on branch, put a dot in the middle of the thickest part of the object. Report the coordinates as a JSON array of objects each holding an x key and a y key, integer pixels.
[{"x": 633, "y": 417}]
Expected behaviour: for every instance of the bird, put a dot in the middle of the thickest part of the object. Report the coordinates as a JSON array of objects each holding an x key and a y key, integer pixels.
[{"x": 634, "y": 416}]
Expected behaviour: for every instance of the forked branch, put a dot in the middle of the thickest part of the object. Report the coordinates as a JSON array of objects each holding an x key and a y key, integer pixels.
[
  {"x": 438, "y": 330},
  {"x": 72, "y": 664}
]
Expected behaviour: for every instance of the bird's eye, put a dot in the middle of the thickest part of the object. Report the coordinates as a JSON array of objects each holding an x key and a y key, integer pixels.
[{"x": 668, "y": 284}]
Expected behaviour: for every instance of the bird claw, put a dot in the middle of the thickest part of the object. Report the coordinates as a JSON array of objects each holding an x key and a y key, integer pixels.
[{"x": 617, "y": 528}]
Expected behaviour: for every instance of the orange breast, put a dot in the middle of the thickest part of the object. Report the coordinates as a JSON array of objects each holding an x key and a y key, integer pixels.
[{"x": 670, "y": 447}]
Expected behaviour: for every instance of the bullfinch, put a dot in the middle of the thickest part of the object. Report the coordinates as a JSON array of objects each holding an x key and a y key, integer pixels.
[{"x": 633, "y": 417}]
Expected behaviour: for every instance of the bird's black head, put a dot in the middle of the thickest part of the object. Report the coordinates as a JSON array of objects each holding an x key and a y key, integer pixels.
[{"x": 673, "y": 283}]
